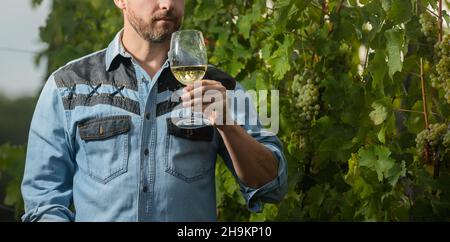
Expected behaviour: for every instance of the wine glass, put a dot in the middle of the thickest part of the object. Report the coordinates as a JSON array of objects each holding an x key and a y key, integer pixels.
[{"x": 188, "y": 63}]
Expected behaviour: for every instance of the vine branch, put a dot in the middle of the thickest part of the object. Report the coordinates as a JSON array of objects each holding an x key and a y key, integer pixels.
[
  {"x": 425, "y": 113},
  {"x": 432, "y": 12},
  {"x": 440, "y": 20},
  {"x": 424, "y": 96}
]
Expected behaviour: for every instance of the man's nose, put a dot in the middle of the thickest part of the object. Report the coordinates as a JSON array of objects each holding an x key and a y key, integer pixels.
[{"x": 166, "y": 4}]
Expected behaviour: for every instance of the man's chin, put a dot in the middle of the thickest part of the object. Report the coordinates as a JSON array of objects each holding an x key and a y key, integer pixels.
[
  {"x": 165, "y": 34},
  {"x": 162, "y": 38},
  {"x": 160, "y": 33}
]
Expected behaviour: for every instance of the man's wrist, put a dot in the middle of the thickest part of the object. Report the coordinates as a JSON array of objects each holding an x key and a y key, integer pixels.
[{"x": 228, "y": 128}]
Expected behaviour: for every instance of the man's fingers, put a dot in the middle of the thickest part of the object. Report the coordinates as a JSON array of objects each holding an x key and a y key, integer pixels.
[
  {"x": 200, "y": 90},
  {"x": 207, "y": 108},
  {"x": 196, "y": 102},
  {"x": 210, "y": 82},
  {"x": 204, "y": 82}
]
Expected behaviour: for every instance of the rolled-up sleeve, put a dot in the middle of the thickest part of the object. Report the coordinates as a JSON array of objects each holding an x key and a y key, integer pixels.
[
  {"x": 273, "y": 191},
  {"x": 49, "y": 169}
]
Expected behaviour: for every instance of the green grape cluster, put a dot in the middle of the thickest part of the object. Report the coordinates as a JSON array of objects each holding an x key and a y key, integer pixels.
[
  {"x": 441, "y": 76},
  {"x": 435, "y": 138},
  {"x": 306, "y": 97},
  {"x": 446, "y": 140},
  {"x": 429, "y": 28}
]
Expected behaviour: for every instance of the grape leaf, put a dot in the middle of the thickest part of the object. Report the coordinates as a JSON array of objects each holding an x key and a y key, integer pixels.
[
  {"x": 382, "y": 134},
  {"x": 379, "y": 114},
  {"x": 280, "y": 60},
  {"x": 378, "y": 70},
  {"x": 394, "y": 47},
  {"x": 400, "y": 11},
  {"x": 397, "y": 171},
  {"x": 377, "y": 158}
]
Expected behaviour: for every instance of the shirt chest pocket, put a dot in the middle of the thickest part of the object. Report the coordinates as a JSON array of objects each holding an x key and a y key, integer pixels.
[
  {"x": 105, "y": 143},
  {"x": 190, "y": 153}
]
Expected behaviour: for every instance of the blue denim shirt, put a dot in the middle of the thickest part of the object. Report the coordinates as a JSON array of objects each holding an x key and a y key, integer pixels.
[{"x": 100, "y": 140}]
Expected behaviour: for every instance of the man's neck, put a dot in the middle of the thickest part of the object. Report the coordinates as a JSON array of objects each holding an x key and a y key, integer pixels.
[{"x": 150, "y": 56}]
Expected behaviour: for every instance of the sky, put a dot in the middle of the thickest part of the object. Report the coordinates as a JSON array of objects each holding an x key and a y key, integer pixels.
[{"x": 19, "y": 40}]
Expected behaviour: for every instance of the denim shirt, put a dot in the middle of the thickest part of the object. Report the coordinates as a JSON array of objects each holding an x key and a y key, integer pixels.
[{"x": 100, "y": 140}]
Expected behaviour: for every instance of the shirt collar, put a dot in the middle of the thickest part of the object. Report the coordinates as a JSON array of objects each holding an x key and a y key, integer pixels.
[{"x": 115, "y": 49}]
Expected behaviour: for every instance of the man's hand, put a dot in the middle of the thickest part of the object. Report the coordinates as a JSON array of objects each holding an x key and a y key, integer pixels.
[{"x": 209, "y": 97}]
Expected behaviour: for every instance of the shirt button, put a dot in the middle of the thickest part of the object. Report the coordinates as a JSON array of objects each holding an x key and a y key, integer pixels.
[
  {"x": 146, "y": 152},
  {"x": 147, "y": 116},
  {"x": 145, "y": 189}
]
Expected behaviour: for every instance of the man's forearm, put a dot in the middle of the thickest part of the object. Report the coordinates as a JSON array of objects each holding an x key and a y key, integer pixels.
[{"x": 255, "y": 165}]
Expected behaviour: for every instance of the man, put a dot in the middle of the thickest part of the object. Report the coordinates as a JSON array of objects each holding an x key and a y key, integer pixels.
[{"x": 102, "y": 140}]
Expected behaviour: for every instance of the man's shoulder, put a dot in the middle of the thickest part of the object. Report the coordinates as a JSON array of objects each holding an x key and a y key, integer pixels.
[
  {"x": 81, "y": 68},
  {"x": 83, "y": 65}
]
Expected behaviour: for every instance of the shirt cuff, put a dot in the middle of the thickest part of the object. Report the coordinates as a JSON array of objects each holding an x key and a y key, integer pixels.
[
  {"x": 49, "y": 214},
  {"x": 272, "y": 191}
]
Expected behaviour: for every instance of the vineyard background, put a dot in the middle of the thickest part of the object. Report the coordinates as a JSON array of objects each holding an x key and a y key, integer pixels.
[{"x": 360, "y": 81}]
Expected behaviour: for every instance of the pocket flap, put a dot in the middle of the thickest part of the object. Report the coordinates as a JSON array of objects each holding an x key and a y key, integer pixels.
[
  {"x": 103, "y": 128},
  {"x": 205, "y": 133}
]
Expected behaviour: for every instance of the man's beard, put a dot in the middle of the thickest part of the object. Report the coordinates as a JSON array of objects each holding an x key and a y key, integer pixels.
[{"x": 148, "y": 31}]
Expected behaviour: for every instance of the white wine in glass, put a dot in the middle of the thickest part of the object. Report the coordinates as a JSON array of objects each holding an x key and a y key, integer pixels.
[
  {"x": 189, "y": 74},
  {"x": 188, "y": 63}
]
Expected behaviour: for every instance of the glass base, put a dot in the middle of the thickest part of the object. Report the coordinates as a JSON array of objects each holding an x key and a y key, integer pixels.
[
  {"x": 187, "y": 119},
  {"x": 192, "y": 123}
]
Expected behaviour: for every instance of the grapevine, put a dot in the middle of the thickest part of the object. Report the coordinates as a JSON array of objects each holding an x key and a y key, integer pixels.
[{"x": 306, "y": 96}]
